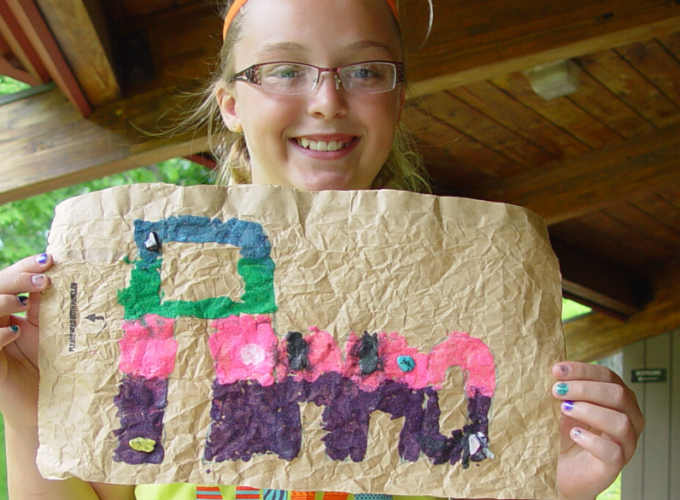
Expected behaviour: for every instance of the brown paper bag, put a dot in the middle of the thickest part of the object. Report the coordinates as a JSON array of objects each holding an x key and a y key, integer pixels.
[{"x": 367, "y": 341}]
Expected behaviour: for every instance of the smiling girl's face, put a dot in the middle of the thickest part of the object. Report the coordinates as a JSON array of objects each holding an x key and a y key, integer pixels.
[{"x": 282, "y": 130}]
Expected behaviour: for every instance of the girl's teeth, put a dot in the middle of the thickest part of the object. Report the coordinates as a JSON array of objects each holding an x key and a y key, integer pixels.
[{"x": 321, "y": 145}]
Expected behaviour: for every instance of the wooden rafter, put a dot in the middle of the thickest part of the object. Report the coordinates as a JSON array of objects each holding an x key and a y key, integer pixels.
[
  {"x": 33, "y": 28},
  {"x": 589, "y": 182},
  {"x": 79, "y": 26},
  {"x": 599, "y": 284},
  {"x": 597, "y": 335},
  {"x": 17, "y": 45},
  {"x": 50, "y": 145},
  {"x": 475, "y": 41}
]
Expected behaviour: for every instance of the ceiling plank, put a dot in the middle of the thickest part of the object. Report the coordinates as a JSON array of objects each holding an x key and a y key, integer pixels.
[
  {"x": 46, "y": 144},
  {"x": 79, "y": 26},
  {"x": 588, "y": 183},
  {"x": 488, "y": 39},
  {"x": 34, "y": 27},
  {"x": 494, "y": 38},
  {"x": 20, "y": 46},
  {"x": 596, "y": 335},
  {"x": 598, "y": 283}
]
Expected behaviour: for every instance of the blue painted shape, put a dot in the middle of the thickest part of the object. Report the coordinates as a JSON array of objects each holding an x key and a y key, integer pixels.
[
  {"x": 406, "y": 363},
  {"x": 256, "y": 268}
]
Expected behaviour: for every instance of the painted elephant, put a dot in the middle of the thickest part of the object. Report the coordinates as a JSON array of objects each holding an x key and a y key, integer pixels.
[{"x": 261, "y": 378}]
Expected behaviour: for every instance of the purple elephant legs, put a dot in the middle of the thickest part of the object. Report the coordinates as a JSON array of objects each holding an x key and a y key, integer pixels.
[
  {"x": 141, "y": 405},
  {"x": 249, "y": 418}
]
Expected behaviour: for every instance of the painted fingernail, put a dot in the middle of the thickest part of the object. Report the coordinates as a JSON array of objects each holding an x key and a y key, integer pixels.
[
  {"x": 38, "y": 280},
  {"x": 564, "y": 369},
  {"x": 576, "y": 432},
  {"x": 567, "y": 405},
  {"x": 23, "y": 300},
  {"x": 14, "y": 328},
  {"x": 562, "y": 389},
  {"x": 41, "y": 259}
]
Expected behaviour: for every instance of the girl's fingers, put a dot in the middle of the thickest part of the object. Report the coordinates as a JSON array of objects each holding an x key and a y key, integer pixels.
[
  {"x": 605, "y": 450},
  {"x": 605, "y": 394},
  {"x": 9, "y": 334},
  {"x": 23, "y": 283},
  {"x": 598, "y": 385},
  {"x": 614, "y": 424},
  {"x": 12, "y": 304},
  {"x": 35, "y": 264},
  {"x": 571, "y": 370}
]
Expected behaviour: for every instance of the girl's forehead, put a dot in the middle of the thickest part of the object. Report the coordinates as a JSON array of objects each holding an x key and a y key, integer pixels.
[{"x": 317, "y": 27}]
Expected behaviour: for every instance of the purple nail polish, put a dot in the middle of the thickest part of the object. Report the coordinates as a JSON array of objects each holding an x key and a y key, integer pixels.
[
  {"x": 564, "y": 369},
  {"x": 41, "y": 259},
  {"x": 567, "y": 405},
  {"x": 576, "y": 432}
]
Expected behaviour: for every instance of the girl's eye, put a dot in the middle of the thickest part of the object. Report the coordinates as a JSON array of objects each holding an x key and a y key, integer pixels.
[
  {"x": 363, "y": 73},
  {"x": 286, "y": 72}
]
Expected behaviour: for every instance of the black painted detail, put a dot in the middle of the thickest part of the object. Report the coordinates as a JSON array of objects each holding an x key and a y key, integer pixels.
[
  {"x": 297, "y": 352},
  {"x": 369, "y": 361}
]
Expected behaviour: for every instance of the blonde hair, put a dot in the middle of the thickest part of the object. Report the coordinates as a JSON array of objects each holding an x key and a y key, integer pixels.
[{"x": 402, "y": 170}]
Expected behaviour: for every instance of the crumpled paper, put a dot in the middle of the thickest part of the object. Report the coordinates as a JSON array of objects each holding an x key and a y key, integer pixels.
[{"x": 355, "y": 261}]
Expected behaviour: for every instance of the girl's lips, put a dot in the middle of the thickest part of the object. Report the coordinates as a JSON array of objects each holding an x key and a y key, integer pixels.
[{"x": 327, "y": 155}]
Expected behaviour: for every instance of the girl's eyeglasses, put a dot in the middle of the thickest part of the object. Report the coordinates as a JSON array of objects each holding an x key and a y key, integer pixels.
[{"x": 368, "y": 77}]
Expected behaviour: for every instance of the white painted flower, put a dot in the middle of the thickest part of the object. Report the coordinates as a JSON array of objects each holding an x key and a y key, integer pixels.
[{"x": 252, "y": 354}]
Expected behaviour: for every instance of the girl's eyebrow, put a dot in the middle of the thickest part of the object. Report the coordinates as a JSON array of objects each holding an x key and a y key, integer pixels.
[
  {"x": 278, "y": 47},
  {"x": 370, "y": 44}
]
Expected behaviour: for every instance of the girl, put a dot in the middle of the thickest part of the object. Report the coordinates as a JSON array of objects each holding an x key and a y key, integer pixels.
[{"x": 315, "y": 90}]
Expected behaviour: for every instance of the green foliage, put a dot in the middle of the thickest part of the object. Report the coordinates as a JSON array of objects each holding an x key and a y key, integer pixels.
[
  {"x": 24, "y": 224},
  {"x": 571, "y": 309},
  {"x": 613, "y": 492},
  {"x": 11, "y": 86}
]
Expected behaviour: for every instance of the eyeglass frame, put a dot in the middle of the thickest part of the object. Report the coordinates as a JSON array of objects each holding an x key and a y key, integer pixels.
[{"x": 251, "y": 75}]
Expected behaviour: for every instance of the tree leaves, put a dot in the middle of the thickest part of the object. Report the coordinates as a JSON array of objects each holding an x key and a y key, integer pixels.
[{"x": 24, "y": 224}]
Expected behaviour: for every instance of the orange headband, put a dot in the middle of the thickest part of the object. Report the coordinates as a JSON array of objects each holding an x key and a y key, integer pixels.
[{"x": 236, "y": 6}]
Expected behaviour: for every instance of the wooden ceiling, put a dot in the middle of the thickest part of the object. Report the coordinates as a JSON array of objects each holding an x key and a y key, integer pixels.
[{"x": 601, "y": 165}]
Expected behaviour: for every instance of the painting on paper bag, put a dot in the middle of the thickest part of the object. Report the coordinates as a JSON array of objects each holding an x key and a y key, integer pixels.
[{"x": 333, "y": 341}]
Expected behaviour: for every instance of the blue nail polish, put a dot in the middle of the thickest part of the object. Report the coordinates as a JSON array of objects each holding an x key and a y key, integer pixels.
[
  {"x": 14, "y": 328},
  {"x": 567, "y": 405},
  {"x": 22, "y": 300},
  {"x": 562, "y": 389},
  {"x": 41, "y": 259}
]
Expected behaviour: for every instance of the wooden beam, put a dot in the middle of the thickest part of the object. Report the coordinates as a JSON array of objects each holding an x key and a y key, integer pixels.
[
  {"x": 184, "y": 43},
  {"x": 33, "y": 26},
  {"x": 596, "y": 335},
  {"x": 46, "y": 144},
  {"x": 79, "y": 27},
  {"x": 597, "y": 283},
  {"x": 474, "y": 41},
  {"x": 592, "y": 181},
  {"x": 20, "y": 46},
  {"x": 469, "y": 42}
]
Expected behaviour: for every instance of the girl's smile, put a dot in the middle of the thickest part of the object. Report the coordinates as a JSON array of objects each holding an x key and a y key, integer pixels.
[{"x": 326, "y": 146}]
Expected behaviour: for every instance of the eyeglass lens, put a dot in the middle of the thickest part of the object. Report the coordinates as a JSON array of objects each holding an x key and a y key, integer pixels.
[{"x": 361, "y": 78}]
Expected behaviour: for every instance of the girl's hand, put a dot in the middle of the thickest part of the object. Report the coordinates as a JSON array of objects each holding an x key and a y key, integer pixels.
[
  {"x": 19, "y": 339},
  {"x": 600, "y": 426}
]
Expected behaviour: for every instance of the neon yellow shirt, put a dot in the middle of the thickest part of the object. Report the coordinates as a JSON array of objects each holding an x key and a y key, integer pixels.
[{"x": 196, "y": 492}]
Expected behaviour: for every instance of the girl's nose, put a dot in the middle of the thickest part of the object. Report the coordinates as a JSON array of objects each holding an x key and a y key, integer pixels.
[{"x": 329, "y": 97}]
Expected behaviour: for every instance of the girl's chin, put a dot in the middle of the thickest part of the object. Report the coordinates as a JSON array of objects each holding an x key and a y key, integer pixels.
[{"x": 325, "y": 181}]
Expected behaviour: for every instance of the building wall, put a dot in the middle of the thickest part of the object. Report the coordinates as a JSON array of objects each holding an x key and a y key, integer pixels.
[{"x": 654, "y": 471}]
